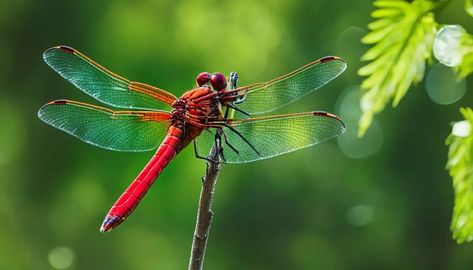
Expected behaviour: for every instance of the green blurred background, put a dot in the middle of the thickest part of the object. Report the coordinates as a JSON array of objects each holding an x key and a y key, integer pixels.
[{"x": 383, "y": 202}]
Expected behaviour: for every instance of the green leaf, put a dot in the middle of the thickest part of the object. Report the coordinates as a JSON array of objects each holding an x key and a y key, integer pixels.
[
  {"x": 402, "y": 36},
  {"x": 390, "y": 4},
  {"x": 466, "y": 66},
  {"x": 460, "y": 166}
]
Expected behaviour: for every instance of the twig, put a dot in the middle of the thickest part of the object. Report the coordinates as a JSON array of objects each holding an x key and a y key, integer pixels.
[{"x": 204, "y": 213}]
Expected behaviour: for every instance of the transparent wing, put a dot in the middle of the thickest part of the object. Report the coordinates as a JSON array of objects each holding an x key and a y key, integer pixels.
[
  {"x": 103, "y": 84},
  {"x": 264, "y": 137},
  {"x": 120, "y": 131},
  {"x": 268, "y": 96}
]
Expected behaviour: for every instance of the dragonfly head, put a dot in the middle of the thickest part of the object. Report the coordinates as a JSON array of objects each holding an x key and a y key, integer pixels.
[
  {"x": 202, "y": 78},
  {"x": 218, "y": 81}
]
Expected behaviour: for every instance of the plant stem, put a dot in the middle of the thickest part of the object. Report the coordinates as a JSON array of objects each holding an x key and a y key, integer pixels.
[{"x": 204, "y": 212}]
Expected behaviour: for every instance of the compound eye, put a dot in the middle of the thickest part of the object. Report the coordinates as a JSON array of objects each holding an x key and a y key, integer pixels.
[
  {"x": 218, "y": 81},
  {"x": 202, "y": 78}
]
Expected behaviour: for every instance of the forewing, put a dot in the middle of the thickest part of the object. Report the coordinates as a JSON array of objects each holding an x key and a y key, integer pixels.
[
  {"x": 132, "y": 131},
  {"x": 268, "y": 96},
  {"x": 264, "y": 137},
  {"x": 103, "y": 84}
]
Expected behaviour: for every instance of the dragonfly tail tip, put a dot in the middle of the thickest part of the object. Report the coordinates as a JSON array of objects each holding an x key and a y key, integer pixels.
[{"x": 110, "y": 222}]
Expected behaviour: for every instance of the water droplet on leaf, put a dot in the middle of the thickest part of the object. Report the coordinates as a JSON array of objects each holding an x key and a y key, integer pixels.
[
  {"x": 447, "y": 45},
  {"x": 461, "y": 129}
]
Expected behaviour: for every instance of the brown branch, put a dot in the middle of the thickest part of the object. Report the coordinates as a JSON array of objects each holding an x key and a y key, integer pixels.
[{"x": 204, "y": 213}]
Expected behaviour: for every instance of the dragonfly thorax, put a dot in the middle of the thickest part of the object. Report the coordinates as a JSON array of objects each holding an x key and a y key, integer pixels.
[
  {"x": 196, "y": 107},
  {"x": 178, "y": 113}
]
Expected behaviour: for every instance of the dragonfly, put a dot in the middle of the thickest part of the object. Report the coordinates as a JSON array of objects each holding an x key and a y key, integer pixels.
[{"x": 215, "y": 107}]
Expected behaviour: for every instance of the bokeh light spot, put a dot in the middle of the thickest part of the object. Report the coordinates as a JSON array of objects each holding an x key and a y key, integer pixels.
[
  {"x": 353, "y": 146},
  {"x": 360, "y": 215},
  {"x": 348, "y": 104},
  {"x": 349, "y": 45},
  {"x": 349, "y": 143},
  {"x": 443, "y": 85},
  {"x": 61, "y": 257}
]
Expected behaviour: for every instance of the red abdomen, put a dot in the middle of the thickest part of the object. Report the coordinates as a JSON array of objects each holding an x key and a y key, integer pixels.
[{"x": 132, "y": 196}]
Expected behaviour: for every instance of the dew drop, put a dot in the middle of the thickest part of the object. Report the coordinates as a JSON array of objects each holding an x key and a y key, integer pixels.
[
  {"x": 461, "y": 129},
  {"x": 447, "y": 45}
]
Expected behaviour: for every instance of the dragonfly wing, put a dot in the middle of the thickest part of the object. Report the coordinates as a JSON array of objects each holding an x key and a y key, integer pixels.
[
  {"x": 268, "y": 96},
  {"x": 103, "y": 84},
  {"x": 132, "y": 131},
  {"x": 259, "y": 138}
]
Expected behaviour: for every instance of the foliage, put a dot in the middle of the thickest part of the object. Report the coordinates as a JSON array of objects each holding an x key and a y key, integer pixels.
[
  {"x": 466, "y": 66},
  {"x": 403, "y": 35},
  {"x": 469, "y": 7},
  {"x": 460, "y": 166}
]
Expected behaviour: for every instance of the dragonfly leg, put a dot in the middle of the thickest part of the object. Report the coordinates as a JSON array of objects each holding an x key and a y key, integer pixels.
[
  {"x": 222, "y": 156},
  {"x": 218, "y": 141},
  {"x": 231, "y": 105},
  {"x": 197, "y": 155},
  {"x": 243, "y": 138},
  {"x": 225, "y": 117},
  {"x": 232, "y": 81},
  {"x": 229, "y": 144}
]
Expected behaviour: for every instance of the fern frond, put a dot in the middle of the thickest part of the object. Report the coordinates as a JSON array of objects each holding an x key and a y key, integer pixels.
[
  {"x": 460, "y": 166},
  {"x": 402, "y": 35},
  {"x": 466, "y": 66}
]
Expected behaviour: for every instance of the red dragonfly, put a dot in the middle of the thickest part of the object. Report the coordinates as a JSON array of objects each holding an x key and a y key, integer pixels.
[{"x": 215, "y": 107}]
